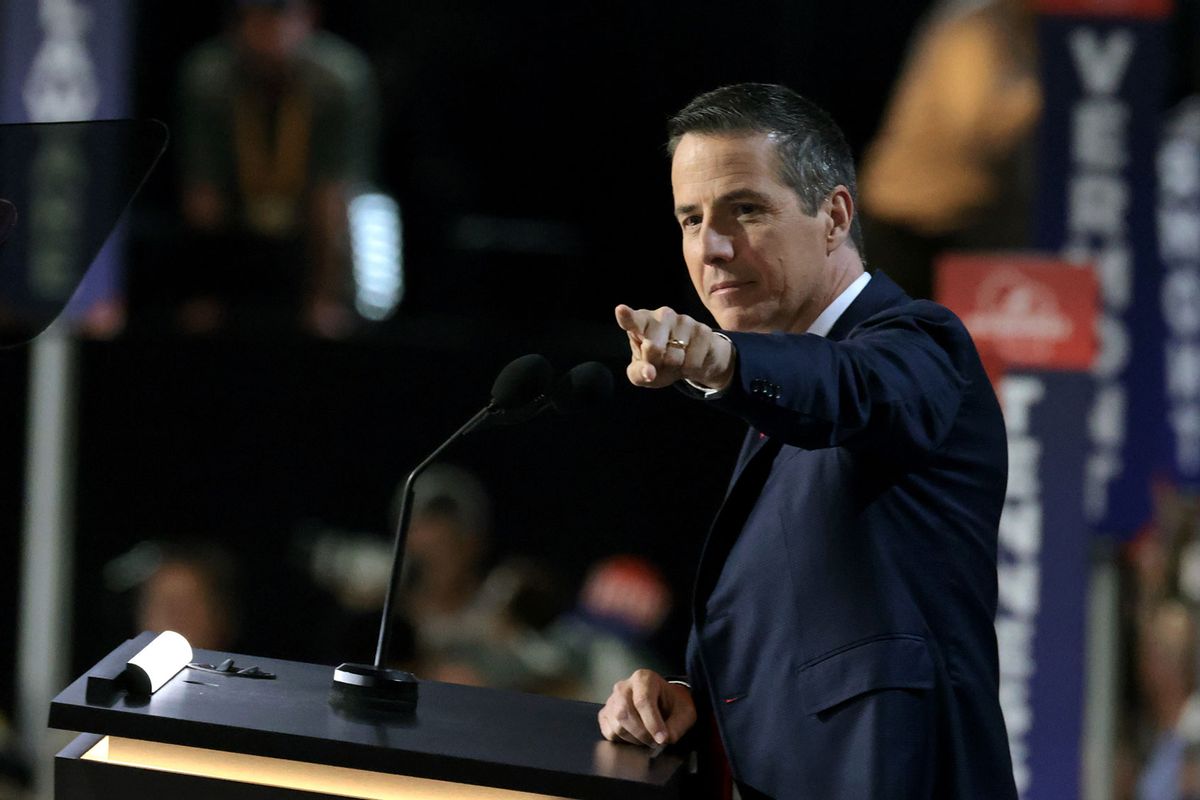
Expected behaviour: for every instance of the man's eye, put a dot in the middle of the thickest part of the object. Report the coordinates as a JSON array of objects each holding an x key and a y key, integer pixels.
[
  {"x": 745, "y": 209},
  {"x": 690, "y": 222}
]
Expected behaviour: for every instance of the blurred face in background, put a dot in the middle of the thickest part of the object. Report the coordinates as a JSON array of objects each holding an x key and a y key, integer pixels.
[
  {"x": 442, "y": 567},
  {"x": 1166, "y": 660},
  {"x": 271, "y": 36},
  {"x": 181, "y": 597}
]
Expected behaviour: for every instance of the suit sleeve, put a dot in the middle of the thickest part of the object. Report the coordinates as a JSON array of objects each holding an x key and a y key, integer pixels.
[{"x": 893, "y": 386}]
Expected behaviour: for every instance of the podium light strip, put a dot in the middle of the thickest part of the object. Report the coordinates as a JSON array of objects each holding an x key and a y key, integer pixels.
[{"x": 285, "y": 774}]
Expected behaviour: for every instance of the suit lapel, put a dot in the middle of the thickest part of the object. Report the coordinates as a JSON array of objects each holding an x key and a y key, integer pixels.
[
  {"x": 759, "y": 454},
  {"x": 753, "y": 442}
]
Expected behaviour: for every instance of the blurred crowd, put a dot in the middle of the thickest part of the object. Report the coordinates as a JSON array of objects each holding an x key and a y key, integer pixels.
[
  {"x": 470, "y": 611},
  {"x": 1159, "y": 749},
  {"x": 467, "y": 613}
]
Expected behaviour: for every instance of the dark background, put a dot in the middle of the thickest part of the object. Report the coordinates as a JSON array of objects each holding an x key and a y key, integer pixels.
[{"x": 543, "y": 114}]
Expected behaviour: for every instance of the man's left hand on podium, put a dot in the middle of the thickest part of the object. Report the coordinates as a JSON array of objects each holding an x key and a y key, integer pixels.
[{"x": 645, "y": 709}]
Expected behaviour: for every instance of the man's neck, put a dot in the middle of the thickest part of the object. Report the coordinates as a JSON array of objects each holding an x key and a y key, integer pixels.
[{"x": 845, "y": 267}]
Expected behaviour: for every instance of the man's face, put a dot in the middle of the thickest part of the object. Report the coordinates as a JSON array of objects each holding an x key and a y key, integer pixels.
[
  {"x": 756, "y": 259},
  {"x": 271, "y": 37}
]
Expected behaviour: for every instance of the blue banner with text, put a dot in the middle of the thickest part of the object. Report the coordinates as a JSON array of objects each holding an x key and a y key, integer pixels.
[
  {"x": 1104, "y": 84},
  {"x": 1042, "y": 570}
]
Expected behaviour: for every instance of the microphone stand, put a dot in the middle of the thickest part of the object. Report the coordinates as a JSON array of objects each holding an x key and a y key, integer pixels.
[
  {"x": 385, "y": 630},
  {"x": 375, "y": 685}
]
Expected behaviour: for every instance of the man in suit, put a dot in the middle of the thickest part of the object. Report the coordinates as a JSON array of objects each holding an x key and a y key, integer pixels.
[{"x": 842, "y": 639}]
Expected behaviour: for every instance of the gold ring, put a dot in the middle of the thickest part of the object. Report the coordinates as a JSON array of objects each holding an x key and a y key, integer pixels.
[{"x": 679, "y": 343}]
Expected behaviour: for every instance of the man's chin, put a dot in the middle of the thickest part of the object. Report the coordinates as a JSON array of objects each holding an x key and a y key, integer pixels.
[{"x": 741, "y": 323}]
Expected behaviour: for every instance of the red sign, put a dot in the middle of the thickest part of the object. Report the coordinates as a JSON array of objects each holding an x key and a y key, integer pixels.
[
  {"x": 1124, "y": 9},
  {"x": 1023, "y": 311}
]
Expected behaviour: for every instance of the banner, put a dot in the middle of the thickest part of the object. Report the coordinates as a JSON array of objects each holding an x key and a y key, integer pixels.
[
  {"x": 1179, "y": 250},
  {"x": 1042, "y": 567},
  {"x": 1034, "y": 320},
  {"x": 1103, "y": 67}
]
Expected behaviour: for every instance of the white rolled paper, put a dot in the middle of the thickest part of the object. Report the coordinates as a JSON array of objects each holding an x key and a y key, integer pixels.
[{"x": 157, "y": 663}]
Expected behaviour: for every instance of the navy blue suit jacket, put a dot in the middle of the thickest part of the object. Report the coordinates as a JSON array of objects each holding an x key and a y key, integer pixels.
[{"x": 845, "y": 600}]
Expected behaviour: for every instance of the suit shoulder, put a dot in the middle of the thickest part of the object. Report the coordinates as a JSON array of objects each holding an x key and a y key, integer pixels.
[{"x": 919, "y": 314}]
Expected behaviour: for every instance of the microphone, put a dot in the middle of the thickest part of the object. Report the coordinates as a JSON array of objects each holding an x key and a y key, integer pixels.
[
  {"x": 585, "y": 386},
  {"x": 521, "y": 384}
]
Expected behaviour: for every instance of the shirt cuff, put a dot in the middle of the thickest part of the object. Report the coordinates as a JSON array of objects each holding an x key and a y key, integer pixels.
[{"x": 708, "y": 392}]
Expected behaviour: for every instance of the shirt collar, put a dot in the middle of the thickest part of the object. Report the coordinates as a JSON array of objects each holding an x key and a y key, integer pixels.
[{"x": 825, "y": 322}]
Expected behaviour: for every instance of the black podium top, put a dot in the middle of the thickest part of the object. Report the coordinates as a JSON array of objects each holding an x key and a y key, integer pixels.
[{"x": 464, "y": 734}]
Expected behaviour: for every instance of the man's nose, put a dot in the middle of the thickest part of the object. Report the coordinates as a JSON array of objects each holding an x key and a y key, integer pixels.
[{"x": 717, "y": 246}]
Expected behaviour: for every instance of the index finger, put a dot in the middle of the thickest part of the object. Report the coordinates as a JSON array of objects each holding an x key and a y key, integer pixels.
[
  {"x": 646, "y": 703},
  {"x": 632, "y": 321}
]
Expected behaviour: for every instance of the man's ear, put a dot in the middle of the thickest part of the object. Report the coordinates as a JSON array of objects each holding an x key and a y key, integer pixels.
[{"x": 841, "y": 215}]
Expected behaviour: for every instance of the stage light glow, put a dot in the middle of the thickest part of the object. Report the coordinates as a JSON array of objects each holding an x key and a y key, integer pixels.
[{"x": 377, "y": 247}]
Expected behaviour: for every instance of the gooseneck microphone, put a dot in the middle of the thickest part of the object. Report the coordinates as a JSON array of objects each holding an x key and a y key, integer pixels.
[
  {"x": 581, "y": 388},
  {"x": 519, "y": 384},
  {"x": 521, "y": 391}
]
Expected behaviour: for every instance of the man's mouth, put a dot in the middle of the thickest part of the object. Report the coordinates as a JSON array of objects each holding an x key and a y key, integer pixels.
[{"x": 726, "y": 287}]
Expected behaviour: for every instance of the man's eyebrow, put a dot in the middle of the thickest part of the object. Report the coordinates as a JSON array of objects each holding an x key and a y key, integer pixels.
[
  {"x": 742, "y": 194},
  {"x": 729, "y": 197}
]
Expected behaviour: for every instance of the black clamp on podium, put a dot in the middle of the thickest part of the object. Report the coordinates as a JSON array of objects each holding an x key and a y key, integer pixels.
[{"x": 204, "y": 735}]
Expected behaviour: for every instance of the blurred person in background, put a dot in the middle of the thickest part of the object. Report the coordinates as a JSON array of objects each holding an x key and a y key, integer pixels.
[
  {"x": 505, "y": 639},
  {"x": 448, "y": 539},
  {"x": 277, "y": 124},
  {"x": 190, "y": 587},
  {"x": 608, "y": 635},
  {"x": 1159, "y": 745},
  {"x": 952, "y": 166},
  {"x": 348, "y": 572},
  {"x": 1166, "y": 670},
  {"x": 471, "y": 625}
]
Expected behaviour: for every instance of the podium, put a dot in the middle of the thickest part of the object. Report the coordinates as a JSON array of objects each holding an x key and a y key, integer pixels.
[{"x": 205, "y": 735}]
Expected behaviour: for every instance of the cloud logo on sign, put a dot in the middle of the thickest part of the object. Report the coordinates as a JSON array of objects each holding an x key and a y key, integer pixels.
[{"x": 1020, "y": 316}]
